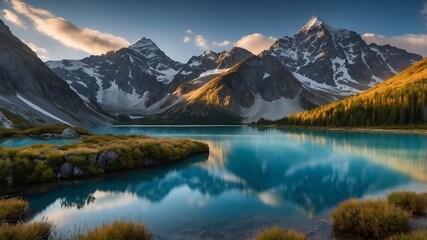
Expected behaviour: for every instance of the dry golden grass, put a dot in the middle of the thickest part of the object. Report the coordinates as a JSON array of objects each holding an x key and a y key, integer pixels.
[
  {"x": 414, "y": 203},
  {"x": 30, "y": 231},
  {"x": 12, "y": 209},
  {"x": 119, "y": 231},
  {"x": 371, "y": 219},
  {"x": 419, "y": 234},
  {"x": 277, "y": 233}
]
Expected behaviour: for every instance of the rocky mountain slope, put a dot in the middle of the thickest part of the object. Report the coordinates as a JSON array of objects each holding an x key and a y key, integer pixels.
[{"x": 28, "y": 88}]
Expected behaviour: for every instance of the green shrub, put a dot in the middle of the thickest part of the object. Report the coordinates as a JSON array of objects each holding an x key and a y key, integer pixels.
[
  {"x": 37, "y": 231},
  {"x": 419, "y": 234},
  {"x": 369, "y": 218},
  {"x": 412, "y": 202},
  {"x": 54, "y": 158},
  {"x": 22, "y": 168},
  {"x": 77, "y": 160},
  {"x": 277, "y": 233},
  {"x": 119, "y": 231},
  {"x": 42, "y": 173},
  {"x": 5, "y": 171},
  {"x": 12, "y": 209}
]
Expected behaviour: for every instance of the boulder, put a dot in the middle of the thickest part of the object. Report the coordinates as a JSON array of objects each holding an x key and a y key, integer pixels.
[
  {"x": 66, "y": 170},
  {"x": 69, "y": 133},
  {"x": 107, "y": 159},
  {"x": 77, "y": 172}
]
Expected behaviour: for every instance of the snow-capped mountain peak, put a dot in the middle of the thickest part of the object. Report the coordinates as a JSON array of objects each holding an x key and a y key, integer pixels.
[
  {"x": 142, "y": 42},
  {"x": 119, "y": 80},
  {"x": 337, "y": 61},
  {"x": 315, "y": 25},
  {"x": 146, "y": 47},
  {"x": 314, "y": 22}
]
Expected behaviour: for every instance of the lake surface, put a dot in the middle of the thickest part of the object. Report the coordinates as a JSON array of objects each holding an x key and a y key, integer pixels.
[{"x": 253, "y": 178}]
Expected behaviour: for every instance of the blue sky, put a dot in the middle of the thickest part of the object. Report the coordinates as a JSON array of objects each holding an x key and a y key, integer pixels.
[{"x": 166, "y": 22}]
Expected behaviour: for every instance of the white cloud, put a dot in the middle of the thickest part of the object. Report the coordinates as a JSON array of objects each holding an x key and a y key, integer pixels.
[
  {"x": 255, "y": 43},
  {"x": 41, "y": 52},
  {"x": 186, "y": 39},
  {"x": 221, "y": 44},
  {"x": 414, "y": 43},
  {"x": 85, "y": 39},
  {"x": 201, "y": 42},
  {"x": 13, "y": 18}
]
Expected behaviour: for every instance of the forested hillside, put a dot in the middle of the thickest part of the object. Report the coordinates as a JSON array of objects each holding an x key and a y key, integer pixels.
[{"x": 400, "y": 100}]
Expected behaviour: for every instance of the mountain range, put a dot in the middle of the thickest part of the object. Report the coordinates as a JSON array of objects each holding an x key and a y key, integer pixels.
[{"x": 141, "y": 84}]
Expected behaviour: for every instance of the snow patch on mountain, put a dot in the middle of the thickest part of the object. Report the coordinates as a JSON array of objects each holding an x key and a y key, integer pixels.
[
  {"x": 213, "y": 72},
  {"x": 195, "y": 64},
  {"x": 166, "y": 75},
  {"x": 266, "y": 75},
  {"x": 41, "y": 110},
  {"x": 340, "y": 89},
  {"x": 273, "y": 110},
  {"x": 116, "y": 97}
]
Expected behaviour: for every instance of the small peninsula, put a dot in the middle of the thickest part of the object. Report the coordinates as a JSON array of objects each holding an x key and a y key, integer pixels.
[{"x": 93, "y": 155}]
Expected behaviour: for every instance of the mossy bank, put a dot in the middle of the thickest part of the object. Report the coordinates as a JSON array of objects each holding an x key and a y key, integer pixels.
[
  {"x": 94, "y": 155},
  {"x": 48, "y": 131}
]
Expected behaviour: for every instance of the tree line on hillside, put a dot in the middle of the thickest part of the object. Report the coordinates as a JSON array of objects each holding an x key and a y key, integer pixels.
[{"x": 392, "y": 107}]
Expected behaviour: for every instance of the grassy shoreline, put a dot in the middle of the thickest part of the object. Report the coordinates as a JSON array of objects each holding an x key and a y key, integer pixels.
[
  {"x": 422, "y": 129},
  {"x": 37, "y": 131},
  {"x": 94, "y": 155}
]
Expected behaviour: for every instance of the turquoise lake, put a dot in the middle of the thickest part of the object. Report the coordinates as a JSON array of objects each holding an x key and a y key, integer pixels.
[{"x": 253, "y": 178}]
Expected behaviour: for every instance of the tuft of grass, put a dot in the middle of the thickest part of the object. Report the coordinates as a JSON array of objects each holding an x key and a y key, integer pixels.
[
  {"x": 12, "y": 209},
  {"x": 37, "y": 230},
  {"x": 412, "y": 202},
  {"x": 277, "y": 233},
  {"x": 373, "y": 219},
  {"x": 419, "y": 234},
  {"x": 119, "y": 231}
]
